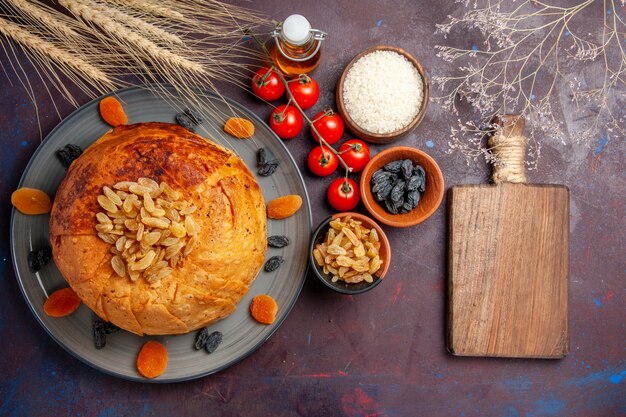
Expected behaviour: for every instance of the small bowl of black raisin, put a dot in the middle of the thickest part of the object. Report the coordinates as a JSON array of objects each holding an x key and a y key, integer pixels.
[{"x": 402, "y": 186}]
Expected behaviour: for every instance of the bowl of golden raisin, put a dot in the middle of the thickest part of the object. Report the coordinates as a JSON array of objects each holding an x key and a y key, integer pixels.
[{"x": 350, "y": 253}]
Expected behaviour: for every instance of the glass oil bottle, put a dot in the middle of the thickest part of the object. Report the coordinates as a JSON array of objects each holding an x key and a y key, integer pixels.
[{"x": 297, "y": 47}]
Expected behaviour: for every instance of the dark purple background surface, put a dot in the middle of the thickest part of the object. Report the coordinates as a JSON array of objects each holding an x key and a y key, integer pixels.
[{"x": 377, "y": 354}]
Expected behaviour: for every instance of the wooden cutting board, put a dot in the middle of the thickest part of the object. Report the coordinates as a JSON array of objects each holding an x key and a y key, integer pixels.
[{"x": 508, "y": 270}]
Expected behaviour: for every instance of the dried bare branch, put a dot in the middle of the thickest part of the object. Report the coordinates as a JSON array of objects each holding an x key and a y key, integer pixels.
[{"x": 528, "y": 56}]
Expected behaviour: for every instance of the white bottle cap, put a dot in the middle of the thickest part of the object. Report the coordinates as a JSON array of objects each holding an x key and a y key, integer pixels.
[{"x": 296, "y": 29}]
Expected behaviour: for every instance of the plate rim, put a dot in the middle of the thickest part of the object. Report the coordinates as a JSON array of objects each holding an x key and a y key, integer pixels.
[{"x": 275, "y": 326}]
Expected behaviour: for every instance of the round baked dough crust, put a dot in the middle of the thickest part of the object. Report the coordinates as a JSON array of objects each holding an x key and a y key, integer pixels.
[{"x": 231, "y": 215}]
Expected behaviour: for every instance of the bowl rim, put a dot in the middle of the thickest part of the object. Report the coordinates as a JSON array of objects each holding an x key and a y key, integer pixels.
[
  {"x": 382, "y": 137},
  {"x": 396, "y": 220},
  {"x": 378, "y": 277}
]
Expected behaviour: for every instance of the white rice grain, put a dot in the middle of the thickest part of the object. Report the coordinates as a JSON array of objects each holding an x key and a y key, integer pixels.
[{"x": 383, "y": 92}]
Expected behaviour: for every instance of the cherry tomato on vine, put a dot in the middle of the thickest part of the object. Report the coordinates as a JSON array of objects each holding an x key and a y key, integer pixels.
[
  {"x": 356, "y": 153},
  {"x": 267, "y": 85},
  {"x": 343, "y": 194},
  {"x": 329, "y": 124},
  {"x": 286, "y": 121},
  {"x": 322, "y": 163},
  {"x": 305, "y": 91}
]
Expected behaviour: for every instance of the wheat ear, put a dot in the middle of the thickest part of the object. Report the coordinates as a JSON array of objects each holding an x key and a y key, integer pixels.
[
  {"x": 147, "y": 29},
  {"x": 37, "y": 13},
  {"x": 85, "y": 10},
  {"x": 213, "y": 18},
  {"x": 148, "y": 7},
  {"x": 46, "y": 49}
]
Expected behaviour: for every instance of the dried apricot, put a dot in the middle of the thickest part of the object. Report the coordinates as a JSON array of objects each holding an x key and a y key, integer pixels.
[
  {"x": 239, "y": 127},
  {"x": 112, "y": 112},
  {"x": 61, "y": 303},
  {"x": 283, "y": 207},
  {"x": 152, "y": 359},
  {"x": 31, "y": 201},
  {"x": 263, "y": 308}
]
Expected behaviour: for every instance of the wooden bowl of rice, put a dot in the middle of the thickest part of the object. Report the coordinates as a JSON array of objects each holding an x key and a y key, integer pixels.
[{"x": 382, "y": 94}]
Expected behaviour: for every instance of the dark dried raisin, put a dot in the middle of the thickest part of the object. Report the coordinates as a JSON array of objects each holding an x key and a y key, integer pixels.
[
  {"x": 376, "y": 187},
  {"x": 407, "y": 168},
  {"x": 213, "y": 341},
  {"x": 186, "y": 121},
  {"x": 264, "y": 156},
  {"x": 419, "y": 170},
  {"x": 37, "y": 259},
  {"x": 110, "y": 328},
  {"x": 404, "y": 208},
  {"x": 394, "y": 166},
  {"x": 194, "y": 115},
  {"x": 397, "y": 193},
  {"x": 413, "y": 183},
  {"x": 273, "y": 263},
  {"x": 277, "y": 241},
  {"x": 201, "y": 338},
  {"x": 422, "y": 186},
  {"x": 413, "y": 198},
  {"x": 383, "y": 193},
  {"x": 268, "y": 168},
  {"x": 99, "y": 334},
  {"x": 68, "y": 154},
  {"x": 381, "y": 175},
  {"x": 102, "y": 328},
  {"x": 207, "y": 341},
  {"x": 266, "y": 163},
  {"x": 261, "y": 157},
  {"x": 391, "y": 207}
]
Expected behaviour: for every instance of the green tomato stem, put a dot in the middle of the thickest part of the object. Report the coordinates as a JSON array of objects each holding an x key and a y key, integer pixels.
[
  {"x": 261, "y": 82},
  {"x": 345, "y": 186}
]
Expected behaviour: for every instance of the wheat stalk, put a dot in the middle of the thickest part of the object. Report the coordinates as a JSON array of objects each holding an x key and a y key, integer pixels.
[
  {"x": 46, "y": 49},
  {"x": 62, "y": 31},
  {"x": 38, "y": 13},
  {"x": 214, "y": 18},
  {"x": 154, "y": 63},
  {"x": 149, "y": 8},
  {"x": 94, "y": 44},
  {"x": 138, "y": 25},
  {"x": 86, "y": 10}
]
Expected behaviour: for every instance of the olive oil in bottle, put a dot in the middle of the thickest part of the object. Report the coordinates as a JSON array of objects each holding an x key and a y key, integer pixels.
[{"x": 297, "y": 47}]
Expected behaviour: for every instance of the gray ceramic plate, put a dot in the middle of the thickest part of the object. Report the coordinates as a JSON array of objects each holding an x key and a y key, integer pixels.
[{"x": 242, "y": 335}]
